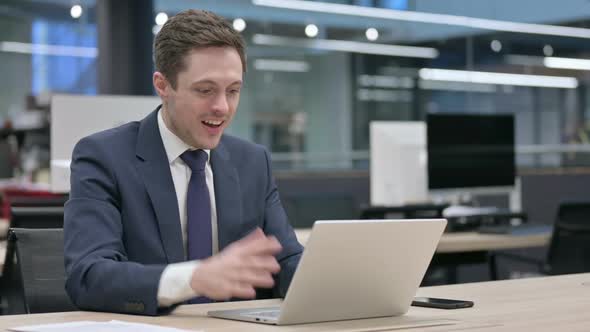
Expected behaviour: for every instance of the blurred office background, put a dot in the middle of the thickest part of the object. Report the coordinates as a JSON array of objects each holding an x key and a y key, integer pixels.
[
  {"x": 311, "y": 101},
  {"x": 318, "y": 74}
]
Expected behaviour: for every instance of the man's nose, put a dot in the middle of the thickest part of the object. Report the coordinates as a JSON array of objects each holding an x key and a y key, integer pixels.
[{"x": 221, "y": 104}]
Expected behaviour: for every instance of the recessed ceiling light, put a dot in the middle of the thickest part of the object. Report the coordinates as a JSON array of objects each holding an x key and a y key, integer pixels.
[
  {"x": 161, "y": 18},
  {"x": 496, "y": 45},
  {"x": 372, "y": 34},
  {"x": 548, "y": 50},
  {"x": 76, "y": 11},
  {"x": 239, "y": 24},
  {"x": 311, "y": 30}
]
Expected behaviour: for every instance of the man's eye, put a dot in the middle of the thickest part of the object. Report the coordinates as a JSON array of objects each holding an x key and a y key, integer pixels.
[{"x": 204, "y": 91}]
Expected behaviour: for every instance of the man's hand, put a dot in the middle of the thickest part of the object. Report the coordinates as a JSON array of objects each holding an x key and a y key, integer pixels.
[{"x": 239, "y": 268}]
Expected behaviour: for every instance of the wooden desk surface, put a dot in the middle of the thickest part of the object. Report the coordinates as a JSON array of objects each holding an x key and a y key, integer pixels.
[
  {"x": 472, "y": 241},
  {"x": 537, "y": 304}
]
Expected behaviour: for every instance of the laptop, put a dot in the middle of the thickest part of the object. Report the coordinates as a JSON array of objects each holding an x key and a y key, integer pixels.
[{"x": 353, "y": 269}]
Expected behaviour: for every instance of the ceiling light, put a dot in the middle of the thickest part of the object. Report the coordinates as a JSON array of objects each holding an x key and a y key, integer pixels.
[
  {"x": 239, "y": 24},
  {"x": 567, "y": 63},
  {"x": 44, "y": 49},
  {"x": 372, "y": 34},
  {"x": 422, "y": 17},
  {"x": 548, "y": 50},
  {"x": 347, "y": 46},
  {"x": 76, "y": 11},
  {"x": 281, "y": 65},
  {"x": 161, "y": 18},
  {"x": 480, "y": 77},
  {"x": 496, "y": 45},
  {"x": 311, "y": 30},
  {"x": 457, "y": 86}
]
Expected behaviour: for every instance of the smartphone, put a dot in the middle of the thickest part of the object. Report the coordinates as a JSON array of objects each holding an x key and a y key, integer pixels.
[{"x": 432, "y": 302}]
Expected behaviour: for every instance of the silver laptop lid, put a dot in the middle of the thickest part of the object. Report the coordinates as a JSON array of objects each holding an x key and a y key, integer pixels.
[{"x": 360, "y": 268}]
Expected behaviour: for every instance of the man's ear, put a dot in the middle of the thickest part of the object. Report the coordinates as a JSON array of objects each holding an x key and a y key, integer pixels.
[{"x": 161, "y": 84}]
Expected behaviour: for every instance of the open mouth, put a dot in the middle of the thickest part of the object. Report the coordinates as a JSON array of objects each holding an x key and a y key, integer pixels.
[{"x": 212, "y": 123}]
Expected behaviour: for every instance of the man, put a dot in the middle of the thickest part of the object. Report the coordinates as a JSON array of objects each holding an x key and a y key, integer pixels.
[{"x": 168, "y": 210}]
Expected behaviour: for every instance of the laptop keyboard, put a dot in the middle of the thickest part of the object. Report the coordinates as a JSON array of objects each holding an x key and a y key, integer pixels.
[{"x": 271, "y": 313}]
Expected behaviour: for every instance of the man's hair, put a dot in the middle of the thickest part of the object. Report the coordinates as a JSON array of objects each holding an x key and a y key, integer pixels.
[{"x": 189, "y": 30}]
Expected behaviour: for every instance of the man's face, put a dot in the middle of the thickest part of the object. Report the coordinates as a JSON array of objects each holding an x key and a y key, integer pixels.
[{"x": 206, "y": 95}]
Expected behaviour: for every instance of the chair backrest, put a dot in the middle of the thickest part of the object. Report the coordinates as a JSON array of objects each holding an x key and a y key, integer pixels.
[
  {"x": 39, "y": 269},
  {"x": 37, "y": 216},
  {"x": 24, "y": 200},
  {"x": 11, "y": 284},
  {"x": 569, "y": 251}
]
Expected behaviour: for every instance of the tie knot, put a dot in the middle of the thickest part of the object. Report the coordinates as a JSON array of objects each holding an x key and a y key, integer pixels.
[{"x": 195, "y": 159}]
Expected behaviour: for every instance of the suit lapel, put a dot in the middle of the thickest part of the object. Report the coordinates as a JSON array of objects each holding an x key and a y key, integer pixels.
[
  {"x": 227, "y": 195},
  {"x": 152, "y": 164}
]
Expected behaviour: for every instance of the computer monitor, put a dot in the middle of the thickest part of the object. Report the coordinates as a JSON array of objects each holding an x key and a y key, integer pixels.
[
  {"x": 74, "y": 117},
  {"x": 398, "y": 163},
  {"x": 470, "y": 151}
]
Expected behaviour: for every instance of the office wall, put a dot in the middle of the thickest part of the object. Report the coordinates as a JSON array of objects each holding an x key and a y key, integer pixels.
[{"x": 321, "y": 95}]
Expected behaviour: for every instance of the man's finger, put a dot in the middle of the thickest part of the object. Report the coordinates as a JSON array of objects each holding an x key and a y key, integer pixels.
[
  {"x": 261, "y": 246},
  {"x": 243, "y": 291},
  {"x": 266, "y": 263},
  {"x": 256, "y": 236},
  {"x": 256, "y": 279}
]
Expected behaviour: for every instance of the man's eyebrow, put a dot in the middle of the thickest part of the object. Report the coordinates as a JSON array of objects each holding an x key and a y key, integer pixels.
[{"x": 207, "y": 81}]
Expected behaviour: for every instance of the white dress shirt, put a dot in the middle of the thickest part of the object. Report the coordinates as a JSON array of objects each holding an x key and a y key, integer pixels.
[{"x": 174, "y": 286}]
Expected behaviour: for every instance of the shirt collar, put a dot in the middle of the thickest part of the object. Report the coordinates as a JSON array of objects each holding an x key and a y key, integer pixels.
[{"x": 173, "y": 145}]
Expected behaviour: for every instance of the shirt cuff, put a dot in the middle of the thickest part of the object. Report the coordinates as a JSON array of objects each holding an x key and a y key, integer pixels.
[{"x": 175, "y": 283}]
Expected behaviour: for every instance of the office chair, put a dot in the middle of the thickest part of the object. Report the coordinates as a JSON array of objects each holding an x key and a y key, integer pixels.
[
  {"x": 569, "y": 249},
  {"x": 15, "y": 197},
  {"x": 22, "y": 200},
  {"x": 33, "y": 279},
  {"x": 37, "y": 216}
]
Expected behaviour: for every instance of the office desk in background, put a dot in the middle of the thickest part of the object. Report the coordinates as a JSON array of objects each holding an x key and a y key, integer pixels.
[
  {"x": 537, "y": 304},
  {"x": 461, "y": 248},
  {"x": 461, "y": 242}
]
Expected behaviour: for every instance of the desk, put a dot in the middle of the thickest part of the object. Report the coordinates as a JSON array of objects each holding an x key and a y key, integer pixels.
[
  {"x": 469, "y": 248},
  {"x": 537, "y": 304},
  {"x": 472, "y": 241}
]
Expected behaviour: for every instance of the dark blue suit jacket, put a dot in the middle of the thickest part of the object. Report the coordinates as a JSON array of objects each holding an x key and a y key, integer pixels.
[{"x": 122, "y": 225}]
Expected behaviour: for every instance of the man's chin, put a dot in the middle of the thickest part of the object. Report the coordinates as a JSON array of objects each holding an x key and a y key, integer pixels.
[{"x": 209, "y": 144}]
